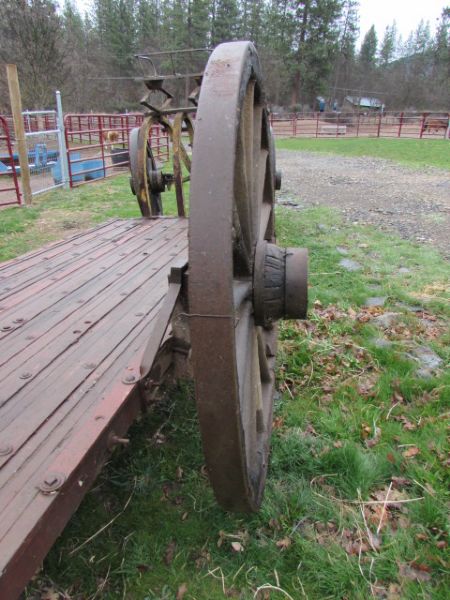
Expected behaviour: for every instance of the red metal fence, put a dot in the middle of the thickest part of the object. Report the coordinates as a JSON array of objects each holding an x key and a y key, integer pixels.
[
  {"x": 339, "y": 125},
  {"x": 97, "y": 144},
  {"x": 9, "y": 183}
]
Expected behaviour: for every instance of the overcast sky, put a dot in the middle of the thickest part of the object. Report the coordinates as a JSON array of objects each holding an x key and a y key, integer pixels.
[{"x": 407, "y": 14}]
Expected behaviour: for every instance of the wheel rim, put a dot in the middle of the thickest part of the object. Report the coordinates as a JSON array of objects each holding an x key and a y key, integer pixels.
[
  {"x": 232, "y": 196},
  {"x": 142, "y": 163}
]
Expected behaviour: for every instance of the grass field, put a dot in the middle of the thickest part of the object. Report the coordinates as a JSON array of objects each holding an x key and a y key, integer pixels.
[
  {"x": 357, "y": 493},
  {"x": 416, "y": 153}
]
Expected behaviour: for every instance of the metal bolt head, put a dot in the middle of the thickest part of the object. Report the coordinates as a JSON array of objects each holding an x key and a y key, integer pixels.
[
  {"x": 25, "y": 375},
  {"x": 52, "y": 482},
  {"x": 130, "y": 378},
  {"x": 6, "y": 449}
]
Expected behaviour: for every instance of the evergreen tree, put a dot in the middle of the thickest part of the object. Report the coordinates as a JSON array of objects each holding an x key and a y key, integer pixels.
[
  {"x": 388, "y": 45},
  {"x": 32, "y": 37},
  {"x": 368, "y": 52},
  {"x": 224, "y": 26}
]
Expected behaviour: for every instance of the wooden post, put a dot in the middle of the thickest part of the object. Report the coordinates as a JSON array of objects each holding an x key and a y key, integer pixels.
[{"x": 16, "y": 108}]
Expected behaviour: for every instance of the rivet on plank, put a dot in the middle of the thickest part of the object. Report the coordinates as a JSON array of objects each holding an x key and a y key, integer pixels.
[
  {"x": 25, "y": 375},
  {"x": 52, "y": 482},
  {"x": 6, "y": 449}
]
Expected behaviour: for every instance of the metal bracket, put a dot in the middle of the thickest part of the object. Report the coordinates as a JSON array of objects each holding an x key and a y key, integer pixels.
[{"x": 156, "y": 337}]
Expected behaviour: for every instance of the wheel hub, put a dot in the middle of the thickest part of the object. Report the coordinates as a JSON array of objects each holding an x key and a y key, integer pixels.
[{"x": 280, "y": 283}]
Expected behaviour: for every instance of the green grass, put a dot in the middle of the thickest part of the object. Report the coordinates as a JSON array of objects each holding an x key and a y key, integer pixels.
[
  {"x": 346, "y": 411},
  {"x": 333, "y": 381},
  {"x": 63, "y": 212},
  {"x": 416, "y": 153}
]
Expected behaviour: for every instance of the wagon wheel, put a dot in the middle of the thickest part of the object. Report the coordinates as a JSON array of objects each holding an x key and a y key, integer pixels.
[
  {"x": 239, "y": 282},
  {"x": 180, "y": 156},
  {"x": 144, "y": 172}
]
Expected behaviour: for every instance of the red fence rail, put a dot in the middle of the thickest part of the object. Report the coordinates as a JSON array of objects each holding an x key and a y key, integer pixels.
[
  {"x": 9, "y": 183},
  {"x": 338, "y": 125},
  {"x": 98, "y": 144}
]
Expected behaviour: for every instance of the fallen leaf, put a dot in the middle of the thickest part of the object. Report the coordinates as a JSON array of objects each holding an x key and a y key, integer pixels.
[
  {"x": 274, "y": 524},
  {"x": 410, "y": 452},
  {"x": 400, "y": 482},
  {"x": 366, "y": 430},
  {"x": 237, "y": 547},
  {"x": 50, "y": 594},
  {"x": 184, "y": 516},
  {"x": 179, "y": 473},
  {"x": 181, "y": 591},
  {"x": 278, "y": 422},
  {"x": 144, "y": 568},
  {"x": 170, "y": 552},
  {"x": 413, "y": 573},
  {"x": 373, "y": 441},
  {"x": 284, "y": 543}
]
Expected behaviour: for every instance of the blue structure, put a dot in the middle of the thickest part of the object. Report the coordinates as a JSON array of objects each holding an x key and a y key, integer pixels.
[{"x": 81, "y": 170}]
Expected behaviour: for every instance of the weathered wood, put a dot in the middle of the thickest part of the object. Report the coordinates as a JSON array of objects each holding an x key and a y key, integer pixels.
[
  {"x": 16, "y": 109},
  {"x": 65, "y": 377}
]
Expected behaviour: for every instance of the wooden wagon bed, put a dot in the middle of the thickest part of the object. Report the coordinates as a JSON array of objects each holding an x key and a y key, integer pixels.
[{"x": 74, "y": 320}]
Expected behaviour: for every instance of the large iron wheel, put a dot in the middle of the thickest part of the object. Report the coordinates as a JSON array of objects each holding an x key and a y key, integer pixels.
[
  {"x": 237, "y": 277},
  {"x": 143, "y": 170}
]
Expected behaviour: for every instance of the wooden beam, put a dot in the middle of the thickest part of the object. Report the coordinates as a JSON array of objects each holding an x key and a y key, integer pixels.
[{"x": 16, "y": 108}]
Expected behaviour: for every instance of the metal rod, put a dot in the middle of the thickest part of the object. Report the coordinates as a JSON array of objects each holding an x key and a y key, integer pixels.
[
  {"x": 38, "y": 112},
  {"x": 166, "y": 52},
  {"x": 44, "y": 131},
  {"x": 62, "y": 143}
]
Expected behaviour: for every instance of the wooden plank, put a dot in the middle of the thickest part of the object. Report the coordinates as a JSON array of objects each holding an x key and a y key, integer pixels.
[
  {"x": 77, "y": 288},
  {"x": 61, "y": 416}
]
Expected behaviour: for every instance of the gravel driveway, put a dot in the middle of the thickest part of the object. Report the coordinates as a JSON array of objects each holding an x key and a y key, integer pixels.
[{"x": 415, "y": 203}]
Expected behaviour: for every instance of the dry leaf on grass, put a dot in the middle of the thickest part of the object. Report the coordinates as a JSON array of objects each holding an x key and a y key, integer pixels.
[
  {"x": 181, "y": 591},
  {"x": 170, "y": 552},
  {"x": 415, "y": 572},
  {"x": 50, "y": 594},
  {"x": 284, "y": 543},
  {"x": 373, "y": 441},
  {"x": 410, "y": 452},
  {"x": 400, "y": 482},
  {"x": 237, "y": 547}
]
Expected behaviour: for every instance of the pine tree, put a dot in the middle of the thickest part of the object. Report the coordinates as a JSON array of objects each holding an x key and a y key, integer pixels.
[
  {"x": 32, "y": 37},
  {"x": 388, "y": 45},
  {"x": 224, "y": 26},
  {"x": 368, "y": 52}
]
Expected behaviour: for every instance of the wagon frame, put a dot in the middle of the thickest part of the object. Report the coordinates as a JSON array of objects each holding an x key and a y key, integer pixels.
[{"x": 90, "y": 326}]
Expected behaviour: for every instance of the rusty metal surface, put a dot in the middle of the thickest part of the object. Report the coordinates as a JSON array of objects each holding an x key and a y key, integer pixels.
[
  {"x": 240, "y": 282},
  {"x": 231, "y": 208},
  {"x": 75, "y": 318}
]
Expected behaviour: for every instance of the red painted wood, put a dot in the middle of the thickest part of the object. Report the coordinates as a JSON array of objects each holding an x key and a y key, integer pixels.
[{"x": 62, "y": 392}]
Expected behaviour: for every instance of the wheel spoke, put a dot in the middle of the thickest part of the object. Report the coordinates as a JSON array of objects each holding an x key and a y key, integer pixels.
[{"x": 263, "y": 363}]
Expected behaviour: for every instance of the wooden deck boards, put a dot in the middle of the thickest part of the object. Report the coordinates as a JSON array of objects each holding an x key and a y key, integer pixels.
[{"x": 73, "y": 318}]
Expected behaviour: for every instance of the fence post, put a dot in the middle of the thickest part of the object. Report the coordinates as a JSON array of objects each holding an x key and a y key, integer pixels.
[
  {"x": 400, "y": 125},
  {"x": 379, "y": 125},
  {"x": 62, "y": 142},
  {"x": 16, "y": 108},
  {"x": 422, "y": 125},
  {"x": 101, "y": 140}
]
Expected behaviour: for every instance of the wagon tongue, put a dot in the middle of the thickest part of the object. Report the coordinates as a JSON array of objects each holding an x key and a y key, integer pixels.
[{"x": 280, "y": 288}]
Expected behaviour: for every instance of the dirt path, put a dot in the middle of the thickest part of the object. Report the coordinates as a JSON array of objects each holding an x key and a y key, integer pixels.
[{"x": 413, "y": 202}]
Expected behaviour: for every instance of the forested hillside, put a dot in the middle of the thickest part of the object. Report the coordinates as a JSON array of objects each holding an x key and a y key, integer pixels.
[{"x": 307, "y": 49}]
